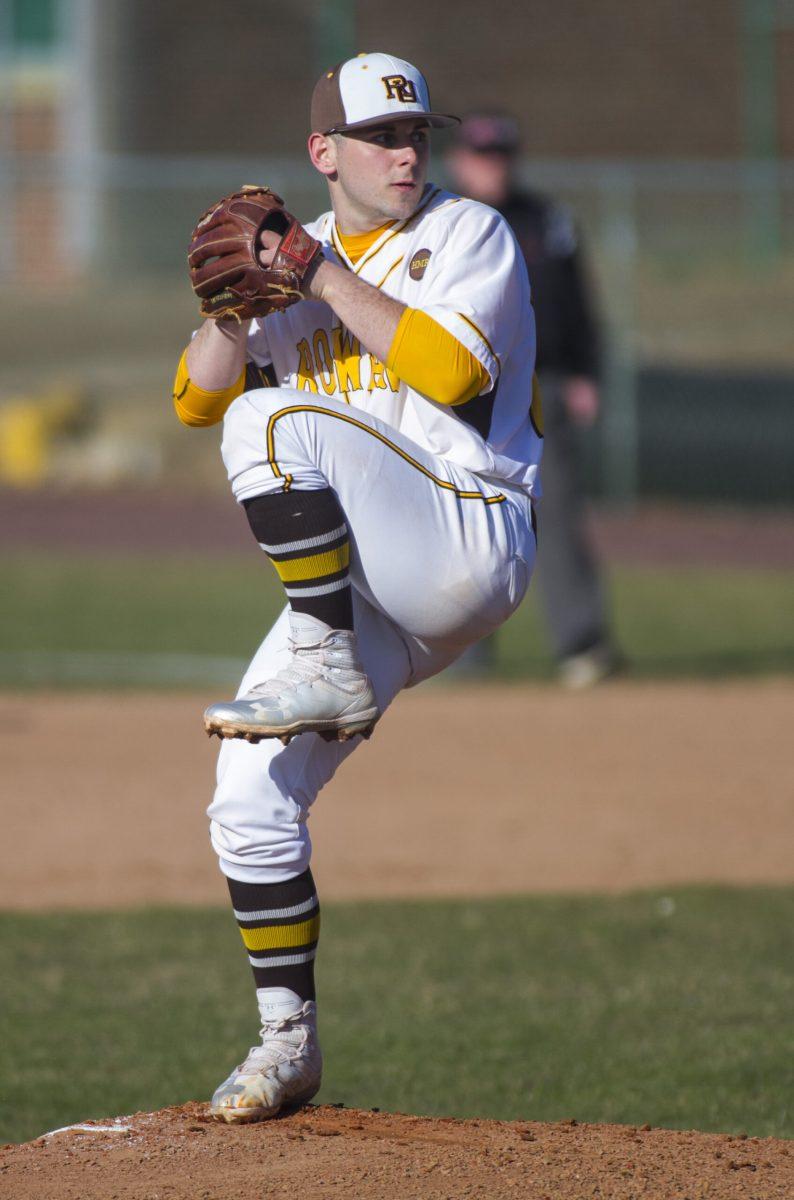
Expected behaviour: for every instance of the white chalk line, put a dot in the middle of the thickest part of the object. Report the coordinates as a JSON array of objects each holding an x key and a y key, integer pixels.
[{"x": 120, "y": 1126}]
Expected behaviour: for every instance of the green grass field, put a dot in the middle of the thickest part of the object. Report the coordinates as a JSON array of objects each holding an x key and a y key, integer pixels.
[
  {"x": 61, "y": 618},
  {"x": 674, "y": 1008}
]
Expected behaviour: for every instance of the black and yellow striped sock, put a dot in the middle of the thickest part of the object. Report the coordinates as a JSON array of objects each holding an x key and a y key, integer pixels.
[
  {"x": 305, "y": 535},
  {"x": 280, "y": 924}
]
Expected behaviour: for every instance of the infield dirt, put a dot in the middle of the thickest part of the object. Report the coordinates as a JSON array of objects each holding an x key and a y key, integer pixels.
[
  {"x": 460, "y": 792},
  {"x": 324, "y": 1152}
]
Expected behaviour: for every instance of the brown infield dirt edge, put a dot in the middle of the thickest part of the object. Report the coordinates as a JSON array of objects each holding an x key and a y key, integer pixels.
[{"x": 318, "y": 1152}]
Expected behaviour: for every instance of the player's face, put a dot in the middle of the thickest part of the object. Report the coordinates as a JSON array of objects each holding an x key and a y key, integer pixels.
[{"x": 380, "y": 173}]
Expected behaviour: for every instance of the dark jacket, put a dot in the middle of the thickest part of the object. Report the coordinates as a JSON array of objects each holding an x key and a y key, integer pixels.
[{"x": 566, "y": 325}]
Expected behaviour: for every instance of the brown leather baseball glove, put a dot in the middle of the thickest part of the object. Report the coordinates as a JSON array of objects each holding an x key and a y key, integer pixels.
[{"x": 225, "y": 268}]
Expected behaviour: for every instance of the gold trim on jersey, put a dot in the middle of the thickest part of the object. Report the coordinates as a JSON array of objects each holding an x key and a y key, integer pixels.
[
  {"x": 315, "y": 408},
  {"x": 480, "y": 335},
  {"x": 339, "y": 250},
  {"x": 335, "y": 238},
  {"x": 383, "y": 240},
  {"x": 356, "y": 245},
  {"x": 376, "y": 249},
  {"x": 447, "y": 203},
  {"x": 394, "y": 265}
]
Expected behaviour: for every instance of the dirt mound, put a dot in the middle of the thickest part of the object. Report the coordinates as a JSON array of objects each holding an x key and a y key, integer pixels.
[{"x": 319, "y": 1152}]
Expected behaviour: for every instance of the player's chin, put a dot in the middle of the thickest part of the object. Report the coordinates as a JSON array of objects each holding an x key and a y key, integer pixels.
[{"x": 403, "y": 200}]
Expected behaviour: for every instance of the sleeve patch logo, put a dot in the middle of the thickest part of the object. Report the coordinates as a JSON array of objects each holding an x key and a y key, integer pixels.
[
  {"x": 419, "y": 264},
  {"x": 399, "y": 88}
]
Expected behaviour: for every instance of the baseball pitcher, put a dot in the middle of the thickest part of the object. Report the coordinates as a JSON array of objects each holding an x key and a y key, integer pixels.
[{"x": 374, "y": 373}]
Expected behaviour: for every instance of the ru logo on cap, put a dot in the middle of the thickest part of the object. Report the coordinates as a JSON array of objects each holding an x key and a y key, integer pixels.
[{"x": 399, "y": 88}]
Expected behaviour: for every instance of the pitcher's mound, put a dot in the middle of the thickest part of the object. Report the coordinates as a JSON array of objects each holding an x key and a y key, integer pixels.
[{"x": 323, "y": 1152}]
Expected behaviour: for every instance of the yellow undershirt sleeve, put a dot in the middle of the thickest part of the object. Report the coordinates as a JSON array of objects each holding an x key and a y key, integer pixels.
[
  {"x": 430, "y": 359},
  {"x": 196, "y": 407}
]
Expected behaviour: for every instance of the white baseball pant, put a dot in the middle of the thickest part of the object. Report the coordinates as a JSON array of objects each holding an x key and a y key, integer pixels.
[{"x": 439, "y": 559}]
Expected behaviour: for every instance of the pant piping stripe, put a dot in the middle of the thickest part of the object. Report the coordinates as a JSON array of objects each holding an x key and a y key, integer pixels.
[{"x": 441, "y": 483}]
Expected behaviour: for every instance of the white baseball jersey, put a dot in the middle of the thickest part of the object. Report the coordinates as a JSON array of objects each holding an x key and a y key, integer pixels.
[{"x": 459, "y": 262}]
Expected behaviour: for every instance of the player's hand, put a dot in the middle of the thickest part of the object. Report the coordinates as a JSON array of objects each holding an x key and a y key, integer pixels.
[
  {"x": 314, "y": 277},
  {"x": 582, "y": 401},
  {"x": 268, "y": 245}
]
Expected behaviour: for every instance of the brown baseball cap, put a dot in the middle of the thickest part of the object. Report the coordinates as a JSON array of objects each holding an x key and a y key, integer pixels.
[{"x": 370, "y": 90}]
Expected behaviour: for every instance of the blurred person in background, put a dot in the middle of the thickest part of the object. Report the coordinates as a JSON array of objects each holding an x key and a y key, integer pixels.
[{"x": 482, "y": 162}]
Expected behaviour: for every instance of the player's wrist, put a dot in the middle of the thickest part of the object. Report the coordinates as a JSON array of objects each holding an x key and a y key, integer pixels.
[
  {"x": 232, "y": 327},
  {"x": 318, "y": 282}
]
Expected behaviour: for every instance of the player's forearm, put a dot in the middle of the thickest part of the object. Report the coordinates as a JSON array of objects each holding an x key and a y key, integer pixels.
[
  {"x": 369, "y": 314},
  {"x": 197, "y": 407},
  {"x": 216, "y": 356}
]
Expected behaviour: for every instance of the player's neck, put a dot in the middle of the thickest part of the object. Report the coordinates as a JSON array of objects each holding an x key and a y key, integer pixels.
[
  {"x": 358, "y": 229},
  {"x": 351, "y": 224}
]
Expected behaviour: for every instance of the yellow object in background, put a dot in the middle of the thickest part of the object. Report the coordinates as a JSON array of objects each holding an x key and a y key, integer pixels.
[{"x": 28, "y": 427}]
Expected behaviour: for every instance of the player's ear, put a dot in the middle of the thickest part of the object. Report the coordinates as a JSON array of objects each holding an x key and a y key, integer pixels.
[{"x": 323, "y": 152}]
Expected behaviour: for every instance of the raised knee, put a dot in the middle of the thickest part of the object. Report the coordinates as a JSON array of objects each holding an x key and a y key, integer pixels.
[{"x": 267, "y": 401}]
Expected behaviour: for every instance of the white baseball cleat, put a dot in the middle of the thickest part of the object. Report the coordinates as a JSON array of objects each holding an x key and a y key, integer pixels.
[
  {"x": 323, "y": 689},
  {"x": 284, "y": 1071}
]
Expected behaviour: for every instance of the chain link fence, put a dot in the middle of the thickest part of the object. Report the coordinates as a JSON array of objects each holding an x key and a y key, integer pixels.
[{"x": 693, "y": 264}]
